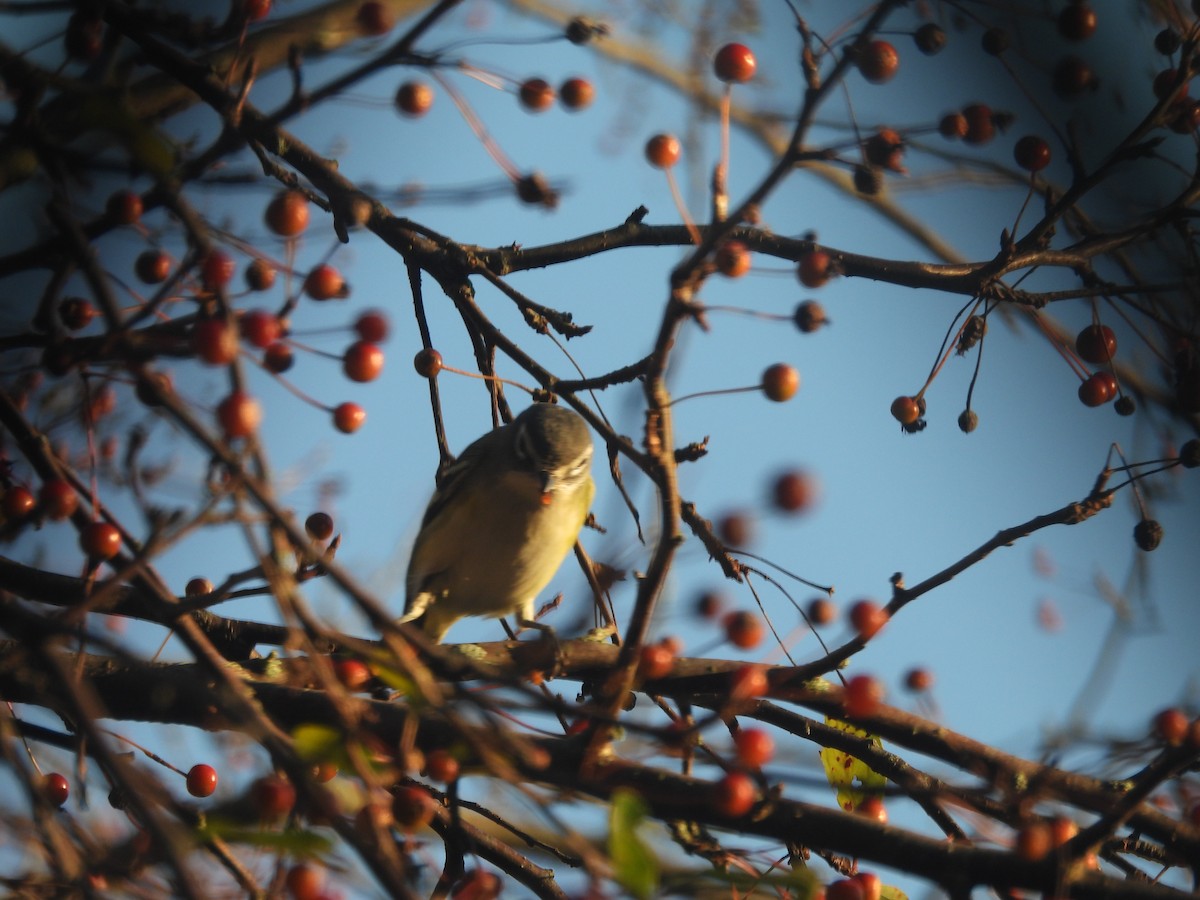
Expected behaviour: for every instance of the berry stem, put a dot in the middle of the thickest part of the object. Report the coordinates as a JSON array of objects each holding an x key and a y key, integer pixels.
[
  {"x": 682, "y": 207},
  {"x": 1064, "y": 351},
  {"x": 476, "y": 125}
]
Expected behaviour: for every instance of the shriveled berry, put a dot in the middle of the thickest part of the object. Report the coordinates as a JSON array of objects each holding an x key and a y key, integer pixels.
[
  {"x": 809, "y": 316},
  {"x": 1147, "y": 534}
]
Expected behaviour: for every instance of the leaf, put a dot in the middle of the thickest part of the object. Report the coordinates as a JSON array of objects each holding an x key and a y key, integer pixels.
[
  {"x": 842, "y": 770},
  {"x": 293, "y": 841},
  {"x": 891, "y": 892},
  {"x": 320, "y": 743},
  {"x": 635, "y": 868}
]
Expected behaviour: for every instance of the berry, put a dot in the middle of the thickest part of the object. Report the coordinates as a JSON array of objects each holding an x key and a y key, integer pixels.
[
  {"x": 414, "y": 98},
  {"x": 1076, "y": 22},
  {"x": 734, "y": 63},
  {"x": 100, "y": 540},
  {"x": 534, "y": 189},
  {"x": 215, "y": 341},
  {"x": 862, "y": 696},
  {"x": 325, "y": 283},
  {"x": 872, "y": 808},
  {"x": 1034, "y": 840},
  {"x": 18, "y": 503},
  {"x": 374, "y": 18},
  {"x": 813, "y": 269},
  {"x": 272, "y": 797},
  {"x": 1147, "y": 534},
  {"x": 872, "y": 887},
  {"x": 363, "y": 361},
  {"x": 372, "y": 326},
  {"x": 352, "y": 673},
  {"x": 930, "y": 38},
  {"x": 885, "y": 149},
  {"x": 255, "y": 10},
  {"x": 576, "y": 93},
  {"x": 821, "y": 611},
  {"x": 216, "y": 270},
  {"x": 878, "y": 61},
  {"x": 124, "y": 207},
  {"x": 152, "y": 266},
  {"x": 755, "y": 747},
  {"x": 1097, "y": 389},
  {"x": 1167, "y": 41},
  {"x": 278, "y": 357},
  {"x": 918, "y": 680},
  {"x": 663, "y": 151},
  {"x": 477, "y": 884},
  {"x": 324, "y": 772},
  {"x": 732, "y": 259},
  {"x": 844, "y": 889},
  {"x": 906, "y": 410},
  {"x": 1189, "y": 454},
  {"x": 1072, "y": 76},
  {"x": 736, "y": 529},
  {"x": 412, "y": 808},
  {"x": 76, "y": 313},
  {"x": 809, "y": 316},
  {"x": 319, "y": 526},
  {"x": 1032, "y": 153},
  {"x": 57, "y": 499},
  {"x": 441, "y": 766},
  {"x": 656, "y": 661},
  {"x": 260, "y": 275},
  {"x": 867, "y": 617},
  {"x": 239, "y": 415},
  {"x": 259, "y": 328},
  {"x": 56, "y": 788},
  {"x": 201, "y": 780},
  {"x": 780, "y": 382},
  {"x": 428, "y": 363},
  {"x": 1171, "y": 726},
  {"x": 349, "y": 417},
  {"x": 1125, "y": 406},
  {"x": 303, "y": 881},
  {"x": 536, "y": 94},
  {"x": 198, "y": 587},
  {"x": 743, "y": 629},
  {"x": 953, "y": 126},
  {"x": 709, "y": 605},
  {"x": 995, "y": 41},
  {"x": 747, "y": 682},
  {"x": 981, "y": 126},
  {"x": 794, "y": 491},
  {"x": 734, "y": 794},
  {"x": 287, "y": 213},
  {"x": 968, "y": 421},
  {"x": 1096, "y": 344},
  {"x": 1165, "y": 86},
  {"x": 868, "y": 180}
]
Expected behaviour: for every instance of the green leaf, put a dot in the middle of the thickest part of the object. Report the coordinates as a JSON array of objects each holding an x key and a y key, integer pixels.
[
  {"x": 294, "y": 841},
  {"x": 842, "y": 770},
  {"x": 320, "y": 743},
  {"x": 635, "y": 867}
]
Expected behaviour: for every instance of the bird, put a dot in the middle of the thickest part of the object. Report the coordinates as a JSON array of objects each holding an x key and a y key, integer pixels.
[{"x": 501, "y": 521}]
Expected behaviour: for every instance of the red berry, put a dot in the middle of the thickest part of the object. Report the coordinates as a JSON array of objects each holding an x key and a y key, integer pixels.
[
  {"x": 303, "y": 881},
  {"x": 319, "y": 526},
  {"x": 58, "y": 499},
  {"x": 1032, "y": 153},
  {"x": 576, "y": 93},
  {"x": 867, "y": 617},
  {"x": 272, "y": 797},
  {"x": 56, "y": 788},
  {"x": 441, "y": 766},
  {"x": 325, "y": 283},
  {"x": 1165, "y": 87},
  {"x": 239, "y": 415},
  {"x": 152, "y": 266},
  {"x": 862, "y": 696},
  {"x": 735, "y": 529},
  {"x": 278, "y": 357},
  {"x": 215, "y": 341},
  {"x": 885, "y": 149},
  {"x": 930, "y": 38},
  {"x": 755, "y": 747},
  {"x": 844, "y": 889},
  {"x": 124, "y": 207},
  {"x": 1096, "y": 344},
  {"x": 1034, "y": 840},
  {"x": 100, "y": 540},
  {"x": 256, "y": 10},
  {"x": 363, "y": 361},
  {"x": 536, "y": 94},
  {"x": 1171, "y": 725},
  {"x": 372, "y": 326},
  {"x": 198, "y": 587},
  {"x": 1076, "y": 21},
  {"x": 663, "y": 151},
  {"x": 374, "y": 18},
  {"x": 1072, "y": 76},
  {"x": 878, "y": 61},
  {"x": 287, "y": 213},
  {"x": 201, "y": 780},
  {"x": 748, "y": 681},
  {"x": 259, "y": 328},
  {"x": 734, "y": 794},
  {"x": 906, "y": 410},
  {"x": 735, "y": 63},
  {"x": 324, "y": 772},
  {"x": 872, "y": 887},
  {"x": 412, "y": 808},
  {"x": 1097, "y": 389},
  {"x": 260, "y": 275},
  {"x": 414, "y": 98},
  {"x": 477, "y": 884},
  {"x": 732, "y": 259},
  {"x": 813, "y": 269},
  {"x": 656, "y": 661},
  {"x": 981, "y": 127},
  {"x": 821, "y": 612},
  {"x": 794, "y": 491},
  {"x": 18, "y": 503},
  {"x": 349, "y": 417},
  {"x": 744, "y": 629},
  {"x": 780, "y": 382},
  {"x": 953, "y": 126},
  {"x": 809, "y": 315},
  {"x": 918, "y": 680},
  {"x": 428, "y": 363},
  {"x": 872, "y": 808},
  {"x": 352, "y": 673},
  {"x": 76, "y": 313},
  {"x": 709, "y": 604},
  {"x": 216, "y": 269}
]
